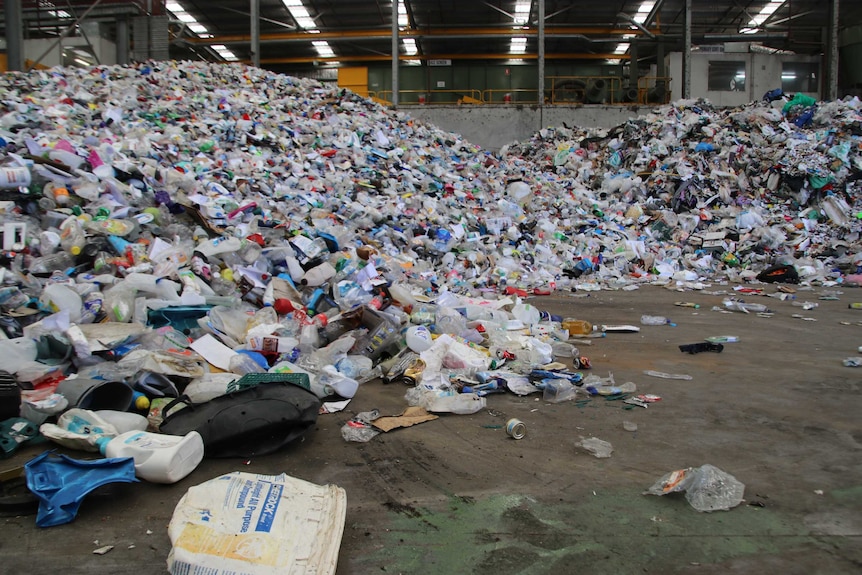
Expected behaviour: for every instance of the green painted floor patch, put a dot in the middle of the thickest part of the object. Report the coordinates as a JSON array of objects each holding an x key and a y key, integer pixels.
[
  {"x": 847, "y": 494},
  {"x": 610, "y": 532}
]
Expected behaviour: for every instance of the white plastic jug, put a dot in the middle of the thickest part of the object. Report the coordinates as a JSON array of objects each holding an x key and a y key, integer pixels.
[
  {"x": 159, "y": 458},
  {"x": 58, "y": 297}
]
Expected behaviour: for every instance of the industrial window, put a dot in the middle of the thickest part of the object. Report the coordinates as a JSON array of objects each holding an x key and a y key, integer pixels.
[
  {"x": 726, "y": 76},
  {"x": 800, "y": 76}
]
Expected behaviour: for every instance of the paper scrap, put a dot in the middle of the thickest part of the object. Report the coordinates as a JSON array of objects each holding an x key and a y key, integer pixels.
[
  {"x": 333, "y": 406},
  {"x": 214, "y": 351},
  {"x": 410, "y": 416}
]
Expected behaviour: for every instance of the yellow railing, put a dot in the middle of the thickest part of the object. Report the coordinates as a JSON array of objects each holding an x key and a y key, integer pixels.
[
  {"x": 559, "y": 90},
  {"x": 421, "y": 97},
  {"x": 654, "y": 90}
]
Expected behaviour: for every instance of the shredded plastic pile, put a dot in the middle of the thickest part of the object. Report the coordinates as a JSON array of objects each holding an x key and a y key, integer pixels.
[{"x": 184, "y": 224}]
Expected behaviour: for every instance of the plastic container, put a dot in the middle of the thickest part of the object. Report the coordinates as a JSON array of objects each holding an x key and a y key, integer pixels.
[
  {"x": 577, "y": 326},
  {"x": 418, "y": 338},
  {"x": 58, "y": 297},
  {"x": 12, "y": 177},
  {"x": 159, "y": 458},
  {"x": 318, "y": 275}
]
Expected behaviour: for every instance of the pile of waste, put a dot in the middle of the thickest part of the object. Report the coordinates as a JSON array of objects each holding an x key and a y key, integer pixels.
[
  {"x": 176, "y": 235},
  {"x": 691, "y": 191}
]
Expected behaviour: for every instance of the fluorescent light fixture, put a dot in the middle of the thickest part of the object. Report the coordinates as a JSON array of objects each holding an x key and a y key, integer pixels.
[
  {"x": 300, "y": 14},
  {"x": 518, "y": 45},
  {"x": 323, "y": 48},
  {"x": 621, "y": 48},
  {"x": 761, "y": 17},
  {"x": 224, "y": 52},
  {"x": 522, "y": 11},
  {"x": 403, "y": 18},
  {"x": 413, "y": 62},
  {"x": 85, "y": 63},
  {"x": 410, "y": 47},
  {"x": 646, "y": 7},
  {"x": 788, "y": 75},
  {"x": 178, "y": 12},
  {"x": 643, "y": 11},
  {"x": 740, "y": 75}
]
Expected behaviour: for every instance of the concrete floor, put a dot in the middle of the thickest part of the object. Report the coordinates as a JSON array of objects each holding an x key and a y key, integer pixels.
[{"x": 778, "y": 410}]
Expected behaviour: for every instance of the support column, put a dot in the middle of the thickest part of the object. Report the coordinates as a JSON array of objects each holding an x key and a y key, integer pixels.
[
  {"x": 122, "y": 41},
  {"x": 660, "y": 83},
  {"x": 255, "y": 32},
  {"x": 832, "y": 42},
  {"x": 633, "y": 64},
  {"x": 395, "y": 54},
  {"x": 540, "y": 9},
  {"x": 14, "y": 35},
  {"x": 686, "y": 53}
]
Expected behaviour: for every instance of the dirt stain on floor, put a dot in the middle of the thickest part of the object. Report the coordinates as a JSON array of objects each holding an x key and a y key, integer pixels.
[{"x": 606, "y": 533}]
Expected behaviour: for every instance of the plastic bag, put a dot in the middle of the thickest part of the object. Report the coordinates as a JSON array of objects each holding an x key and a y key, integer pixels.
[
  {"x": 445, "y": 401},
  {"x": 707, "y": 488},
  {"x": 598, "y": 447},
  {"x": 359, "y": 428}
]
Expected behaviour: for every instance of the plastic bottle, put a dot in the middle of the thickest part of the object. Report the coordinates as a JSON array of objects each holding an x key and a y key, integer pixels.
[
  {"x": 215, "y": 246},
  {"x": 159, "y": 458},
  {"x": 318, "y": 275},
  {"x": 249, "y": 251},
  {"x": 72, "y": 237},
  {"x": 577, "y": 326},
  {"x": 51, "y": 263},
  {"x": 655, "y": 320}
]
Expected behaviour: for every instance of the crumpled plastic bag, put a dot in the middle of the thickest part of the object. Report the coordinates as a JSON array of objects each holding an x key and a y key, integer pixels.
[
  {"x": 359, "y": 428},
  {"x": 444, "y": 401},
  {"x": 598, "y": 447},
  {"x": 707, "y": 488}
]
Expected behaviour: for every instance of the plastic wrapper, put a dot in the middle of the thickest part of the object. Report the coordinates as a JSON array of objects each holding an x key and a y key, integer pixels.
[
  {"x": 359, "y": 428},
  {"x": 599, "y": 448}
]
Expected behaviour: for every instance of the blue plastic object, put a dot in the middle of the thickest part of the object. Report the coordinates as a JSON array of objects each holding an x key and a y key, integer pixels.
[
  {"x": 61, "y": 483},
  {"x": 256, "y": 356}
]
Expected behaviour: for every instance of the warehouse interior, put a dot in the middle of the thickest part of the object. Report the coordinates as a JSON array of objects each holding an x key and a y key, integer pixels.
[
  {"x": 475, "y": 52},
  {"x": 643, "y": 171},
  {"x": 488, "y": 54}
]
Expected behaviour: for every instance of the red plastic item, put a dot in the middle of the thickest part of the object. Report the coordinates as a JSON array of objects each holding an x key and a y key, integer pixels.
[{"x": 283, "y": 306}]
